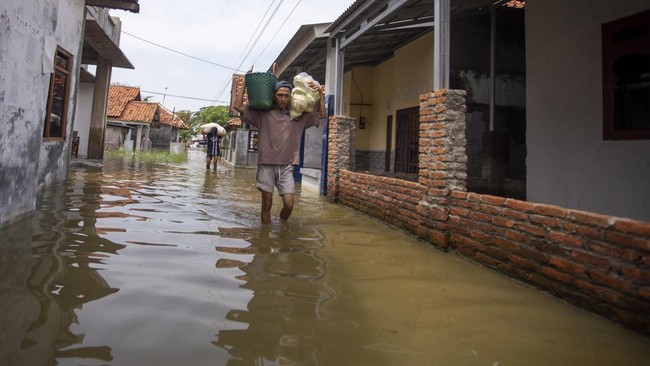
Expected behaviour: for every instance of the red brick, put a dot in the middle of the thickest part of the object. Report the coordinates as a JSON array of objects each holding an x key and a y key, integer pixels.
[
  {"x": 516, "y": 236},
  {"x": 505, "y": 244},
  {"x": 567, "y": 265},
  {"x": 459, "y": 194},
  {"x": 550, "y": 210},
  {"x": 545, "y": 220},
  {"x": 515, "y": 214},
  {"x": 588, "y": 258},
  {"x": 633, "y": 227},
  {"x": 524, "y": 263},
  {"x": 610, "y": 279},
  {"x": 479, "y": 216},
  {"x": 628, "y": 241},
  {"x": 590, "y": 218},
  {"x": 636, "y": 273},
  {"x": 534, "y": 254},
  {"x": 500, "y": 221},
  {"x": 612, "y": 251},
  {"x": 557, "y": 275},
  {"x": 598, "y": 291},
  {"x": 550, "y": 248},
  {"x": 519, "y": 205},
  {"x": 533, "y": 229},
  {"x": 495, "y": 200},
  {"x": 644, "y": 293},
  {"x": 491, "y": 210},
  {"x": 571, "y": 240}
]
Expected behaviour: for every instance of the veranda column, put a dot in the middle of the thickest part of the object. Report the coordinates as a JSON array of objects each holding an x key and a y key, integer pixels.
[
  {"x": 341, "y": 148},
  {"x": 99, "y": 109},
  {"x": 443, "y": 160}
]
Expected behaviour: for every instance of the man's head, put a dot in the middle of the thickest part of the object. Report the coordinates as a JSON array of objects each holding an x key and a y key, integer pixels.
[{"x": 282, "y": 94}]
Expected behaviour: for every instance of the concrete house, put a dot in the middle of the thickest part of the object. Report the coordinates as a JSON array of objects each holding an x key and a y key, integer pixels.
[
  {"x": 43, "y": 45},
  {"x": 512, "y": 132},
  {"x": 134, "y": 125}
]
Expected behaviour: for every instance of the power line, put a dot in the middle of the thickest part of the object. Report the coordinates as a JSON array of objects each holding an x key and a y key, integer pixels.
[
  {"x": 253, "y": 45},
  {"x": 181, "y": 53},
  {"x": 185, "y": 97},
  {"x": 276, "y": 32}
]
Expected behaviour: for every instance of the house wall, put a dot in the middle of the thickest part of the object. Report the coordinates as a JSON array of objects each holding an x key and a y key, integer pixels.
[
  {"x": 569, "y": 163},
  {"x": 161, "y": 137},
  {"x": 27, "y": 163},
  {"x": 596, "y": 261},
  {"x": 82, "y": 116},
  {"x": 390, "y": 86}
]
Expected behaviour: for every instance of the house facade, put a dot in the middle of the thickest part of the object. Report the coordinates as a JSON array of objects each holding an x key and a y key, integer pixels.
[
  {"x": 43, "y": 44},
  {"x": 136, "y": 125},
  {"x": 514, "y": 133}
]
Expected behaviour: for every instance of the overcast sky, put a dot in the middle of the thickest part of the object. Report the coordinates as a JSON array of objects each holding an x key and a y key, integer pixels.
[{"x": 216, "y": 31}]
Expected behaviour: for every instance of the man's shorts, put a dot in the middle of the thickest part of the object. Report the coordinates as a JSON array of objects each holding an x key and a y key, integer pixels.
[{"x": 280, "y": 176}]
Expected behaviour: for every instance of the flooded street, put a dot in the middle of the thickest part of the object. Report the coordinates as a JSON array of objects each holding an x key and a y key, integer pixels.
[{"x": 166, "y": 264}]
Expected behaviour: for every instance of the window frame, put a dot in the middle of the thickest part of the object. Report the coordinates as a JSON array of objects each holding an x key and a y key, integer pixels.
[
  {"x": 610, "y": 53},
  {"x": 66, "y": 97}
]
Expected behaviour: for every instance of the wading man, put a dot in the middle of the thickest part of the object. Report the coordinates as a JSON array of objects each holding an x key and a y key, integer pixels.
[{"x": 279, "y": 142}]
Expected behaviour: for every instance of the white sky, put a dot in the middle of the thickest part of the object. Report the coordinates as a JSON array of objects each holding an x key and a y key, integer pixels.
[{"x": 213, "y": 30}]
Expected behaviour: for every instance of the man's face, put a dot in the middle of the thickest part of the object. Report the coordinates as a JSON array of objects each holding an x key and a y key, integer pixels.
[{"x": 282, "y": 98}]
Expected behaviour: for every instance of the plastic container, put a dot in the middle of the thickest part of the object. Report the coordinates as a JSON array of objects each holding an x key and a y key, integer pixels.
[{"x": 259, "y": 86}]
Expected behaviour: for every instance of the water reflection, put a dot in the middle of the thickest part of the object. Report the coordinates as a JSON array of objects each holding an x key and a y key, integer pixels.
[
  {"x": 282, "y": 270},
  {"x": 165, "y": 264},
  {"x": 50, "y": 268}
]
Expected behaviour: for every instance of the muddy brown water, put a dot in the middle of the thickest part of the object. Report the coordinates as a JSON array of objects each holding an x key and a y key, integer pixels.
[{"x": 138, "y": 263}]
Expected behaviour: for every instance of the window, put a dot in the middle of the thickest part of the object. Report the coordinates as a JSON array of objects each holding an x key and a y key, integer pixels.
[
  {"x": 57, "y": 99},
  {"x": 252, "y": 140},
  {"x": 626, "y": 78}
]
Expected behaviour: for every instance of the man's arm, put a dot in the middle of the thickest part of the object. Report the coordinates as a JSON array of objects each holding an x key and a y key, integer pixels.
[
  {"x": 321, "y": 99},
  {"x": 239, "y": 99}
]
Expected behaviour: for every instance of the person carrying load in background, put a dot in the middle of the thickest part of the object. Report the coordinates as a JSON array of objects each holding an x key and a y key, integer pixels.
[
  {"x": 214, "y": 144},
  {"x": 278, "y": 143}
]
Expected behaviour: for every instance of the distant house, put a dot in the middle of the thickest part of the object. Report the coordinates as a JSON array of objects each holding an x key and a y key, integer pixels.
[
  {"x": 133, "y": 124},
  {"x": 43, "y": 102}
]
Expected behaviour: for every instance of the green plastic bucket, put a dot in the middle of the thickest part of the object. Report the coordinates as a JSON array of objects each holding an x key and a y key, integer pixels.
[{"x": 259, "y": 86}]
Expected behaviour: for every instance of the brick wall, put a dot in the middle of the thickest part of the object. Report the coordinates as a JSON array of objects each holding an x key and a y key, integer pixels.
[{"x": 598, "y": 262}]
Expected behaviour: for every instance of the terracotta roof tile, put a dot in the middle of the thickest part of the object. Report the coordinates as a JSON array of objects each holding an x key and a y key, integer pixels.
[
  {"x": 232, "y": 124},
  {"x": 119, "y": 96},
  {"x": 139, "y": 112},
  {"x": 169, "y": 118}
]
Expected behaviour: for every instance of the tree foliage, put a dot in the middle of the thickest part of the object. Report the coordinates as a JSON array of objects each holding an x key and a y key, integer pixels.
[{"x": 219, "y": 114}]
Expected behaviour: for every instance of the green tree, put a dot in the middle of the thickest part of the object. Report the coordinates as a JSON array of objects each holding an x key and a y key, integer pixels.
[{"x": 218, "y": 114}]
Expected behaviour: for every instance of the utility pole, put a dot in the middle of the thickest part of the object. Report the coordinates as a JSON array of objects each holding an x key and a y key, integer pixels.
[{"x": 164, "y": 95}]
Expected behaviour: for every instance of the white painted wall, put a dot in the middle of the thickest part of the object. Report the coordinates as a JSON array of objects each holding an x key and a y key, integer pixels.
[
  {"x": 569, "y": 164},
  {"x": 82, "y": 116},
  {"x": 27, "y": 163}
]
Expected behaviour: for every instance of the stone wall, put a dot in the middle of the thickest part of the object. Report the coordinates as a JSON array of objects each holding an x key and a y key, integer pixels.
[{"x": 598, "y": 262}]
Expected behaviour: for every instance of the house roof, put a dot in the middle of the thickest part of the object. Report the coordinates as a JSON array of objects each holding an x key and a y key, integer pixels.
[
  {"x": 128, "y": 5},
  {"x": 170, "y": 118},
  {"x": 125, "y": 105},
  {"x": 303, "y": 53},
  {"x": 233, "y": 124},
  {"x": 136, "y": 111},
  {"x": 118, "y": 98},
  {"x": 371, "y": 31}
]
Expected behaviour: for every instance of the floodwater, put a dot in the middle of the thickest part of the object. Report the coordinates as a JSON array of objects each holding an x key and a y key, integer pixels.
[{"x": 166, "y": 264}]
